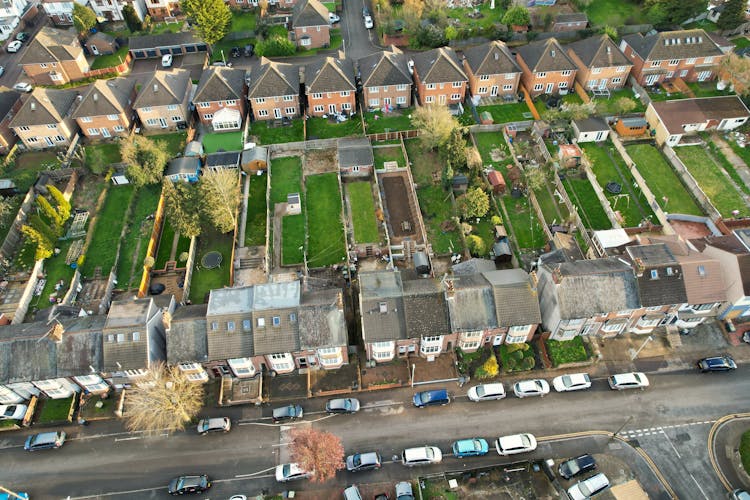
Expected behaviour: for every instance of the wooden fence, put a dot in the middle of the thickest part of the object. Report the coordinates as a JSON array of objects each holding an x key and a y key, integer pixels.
[
  {"x": 119, "y": 69},
  {"x": 153, "y": 243}
]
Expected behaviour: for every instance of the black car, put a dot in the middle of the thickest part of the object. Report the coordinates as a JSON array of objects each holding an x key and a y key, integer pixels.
[
  {"x": 22, "y": 36},
  {"x": 717, "y": 364},
  {"x": 236, "y": 52},
  {"x": 285, "y": 413},
  {"x": 189, "y": 484},
  {"x": 575, "y": 466},
  {"x": 249, "y": 50}
]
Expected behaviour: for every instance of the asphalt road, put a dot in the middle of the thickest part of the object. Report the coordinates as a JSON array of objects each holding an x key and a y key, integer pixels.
[{"x": 104, "y": 461}]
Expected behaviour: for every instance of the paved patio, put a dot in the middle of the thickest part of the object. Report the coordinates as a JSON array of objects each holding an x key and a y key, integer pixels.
[
  {"x": 395, "y": 372},
  {"x": 442, "y": 368},
  {"x": 285, "y": 387},
  {"x": 345, "y": 378}
]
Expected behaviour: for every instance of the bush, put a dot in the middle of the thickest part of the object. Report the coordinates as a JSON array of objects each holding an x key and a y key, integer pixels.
[
  {"x": 430, "y": 36},
  {"x": 518, "y": 354},
  {"x": 745, "y": 451},
  {"x": 510, "y": 364},
  {"x": 528, "y": 363},
  {"x": 489, "y": 369},
  {"x": 511, "y": 348},
  {"x": 276, "y": 45},
  {"x": 567, "y": 351}
]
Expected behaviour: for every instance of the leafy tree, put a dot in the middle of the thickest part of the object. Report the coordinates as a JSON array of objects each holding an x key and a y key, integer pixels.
[
  {"x": 275, "y": 46},
  {"x": 430, "y": 36},
  {"x": 732, "y": 16},
  {"x": 477, "y": 246},
  {"x": 42, "y": 245},
  {"x": 454, "y": 150},
  {"x": 667, "y": 13},
  {"x": 83, "y": 18},
  {"x": 535, "y": 178},
  {"x": 63, "y": 205},
  {"x": 164, "y": 400},
  {"x": 473, "y": 159},
  {"x": 611, "y": 32},
  {"x": 435, "y": 124},
  {"x": 219, "y": 190},
  {"x": 736, "y": 70},
  {"x": 475, "y": 203},
  {"x": 317, "y": 450},
  {"x": 624, "y": 105},
  {"x": 131, "y": 18},
  {"x": 50, "y": 213},
  {"x": 180, "y": 203},
  {"x": 412, "y": 13},
  {"x": 145, "y": 159},
  {"x": 450, "y": 33},
  {"x": 212, "y": 18},
  {"x": 49, "y": 231},
  {"x": 517, "y": 16}
]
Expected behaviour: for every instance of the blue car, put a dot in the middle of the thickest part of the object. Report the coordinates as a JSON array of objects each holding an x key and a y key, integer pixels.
[
  {"x": 438, "y": 397},
  {"x": 470, "y": 448}
]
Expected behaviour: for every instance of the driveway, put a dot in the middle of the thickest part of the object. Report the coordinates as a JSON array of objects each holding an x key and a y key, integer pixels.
[
  {"x": 13, "y": 72},
  {"x": 358, "y": 40}
]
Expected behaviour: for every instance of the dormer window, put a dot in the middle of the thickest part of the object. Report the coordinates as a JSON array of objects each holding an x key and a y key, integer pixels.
[
  {"x": 670, "y": 271},
  {"x": 277, "y": 321},
  {"x": 654, "y": 274}
]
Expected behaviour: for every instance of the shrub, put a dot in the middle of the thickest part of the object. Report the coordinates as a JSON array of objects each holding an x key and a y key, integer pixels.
[
  {"x": 528, "y": 363},
  {"x": 510, "y": 364},
  {"x": 489, "y": 369},
  {"x": 518, "y": 354},
  {"x": 276, "y": 45}
]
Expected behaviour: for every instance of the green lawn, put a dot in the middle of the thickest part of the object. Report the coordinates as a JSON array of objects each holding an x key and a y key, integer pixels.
[
  {"x": 277, "y": 135},
  {"x": 708, "y": 89},
  {"x": 110, "y": 60},
  {"x": 722, "y": 193},
  {"x": 606, "y": 106},
  {"x": 745, "y": 451},
  {"x": 174, "y": 142},
  {"x": 255, "y": 226},
  {"x": 228, "y": 141},
  {"x": 204, "y": 280},
  {"x": 55, "y": 269},
  {"x": 485, "y": 230},
  {"x": 107, "y": 230},
  {"x": 567, "y": 351},
  {"x": 489, "y": 141},
  {"x": 505, "y": 113},
  {"x": 331, "y": 6},
  {"x": 662, "y": 180},
  {"x": 375, "y": 122},
  {"x": 741, "y": 42},
  {"x": 362, "y": 206},
  {"x": 554, "y": 212},
  {"x": 527, "y": 229},
  {"x": 389, "y": 153},
  {"x": 437, "y": 208},
  {"x": 55, "y": 410},
  {"x": 488, "y": 19},
  {"x": 326, "y": 244},
  {"x": 322, "y": 128},
  {"x": 110, "y": 152},
  {"x": 165, "y": 245},
  {"x": 286, "y": 177},
  {"x": 293, "y": 239},
  {"x": 26, "y": 167},
  {"x": 243, "y": 21},
  {"x": 137, "y": 235},
  {"x": 423, "y": 163},
  {"x": 584, "y": 198},
  {"x": 614, "y": 12},
  {"x": 718, "y": 155}
]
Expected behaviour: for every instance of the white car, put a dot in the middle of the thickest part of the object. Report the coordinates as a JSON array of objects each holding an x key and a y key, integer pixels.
[
  {"x": 515, "y": 443},
  {"x": 333, "y": 18},
  {"x": 14, "y": 46},
  {"x": 632, "y": 380},
  {"x": 291, "y": 472},
  {"x": 12, "y": 412},
  {"x": 588, "y": 487},
  {"x": 486, "y": 392},
  {"x": 535, "y": 387},
  {"x": 368, "y": 22},
  {"x": 572, "y": 382},
  {"x": 166, "y": 61},
  {"x": 23, "y": 87},
  {"x": 424, "y": 455}
]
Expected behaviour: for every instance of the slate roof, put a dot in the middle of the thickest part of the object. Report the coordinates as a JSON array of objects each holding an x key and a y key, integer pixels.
[
  {"x": 376, "y": 288},
  {"x": 675, "y": 114},
  {"x": 220, "y": 84},
  {"x": 106, "y": 97},
  {"x": 492, "y": 58},
  {"x": 438, "y": 66},
  {"x": 164, "y": 88},
  {"x": 271, "y": 338},
  {"x": 668, "y": 287},
  {"x": 666, "y": 45},
  {"x": 186, "y": 338},
  {"x": 223, "y": 159},
  {"x": 8, "y": 98},
  {"x": 516, "y": 301},
  {"x": 321, "y": 319},
  {"x": 183, "y": 165},
  {"x": 329, "y": 75},
  {"x": 704, "y": 282},
  {"x": 425, "y": 309},
  {"x": 227, "y": 345},
  {"x": 473, "y": 266},
  {"x": 471, "y": 306},
  {"x": 353, "y": 152},
  {"x": 599, "y": 52},
  {"x": 545, "y": 55},
  {"x": 52, "y": 45},
  {"x": 129, "y": 313},
  {"x": 126, "y": 316},
  {"x": 163, "y": 40},
  {"x": 387, "y": 67},
  {"x": 591, "y": 124},
  {"x": 45, "y": 106},
  {"x": 309, "y": 13},
  {"x": 270, "y": 79}
]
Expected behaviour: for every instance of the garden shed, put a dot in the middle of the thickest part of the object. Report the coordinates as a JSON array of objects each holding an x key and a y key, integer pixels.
[
  {"x": 570, "y": 155},
  {"x": 497, "y": 181},
  {"x": 293, "y": 204},
  {"x": 590, "y": 129},
  {"x": 630, "y": 127},
  {"x": 184, "y": 168},
  {"x": 221, "y": 160},
  {"x": 254, "y": 160},
  {"x": 355, "y": 156},
  {"x": 459, "y": 183},
  {"x": 501, "y": 251},
  {"x": 194, "y": 148}
]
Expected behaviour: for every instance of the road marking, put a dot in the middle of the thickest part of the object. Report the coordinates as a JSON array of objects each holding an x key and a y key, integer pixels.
[
  {"x": 128, "y": 439},
  {"x": 382, "y": 404},
  {"x": 672, "y": 445},
  {"x": 255, "y": 473},
  {"x": 280, "y": 444},
  {"x": 699, "y": 487}
]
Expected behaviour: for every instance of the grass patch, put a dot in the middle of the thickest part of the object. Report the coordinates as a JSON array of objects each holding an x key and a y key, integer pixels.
[
  {"x": 567, "y": 351},
  {"x": 384, "y": 154},
  {"x": 204, "y": 280},
  {"x": 292, "y": 239},
  {"x": 606, "y": 106},
  {"x": 55, "y": 269},
  {"x": 712, "y": 181},
  {"x": 110, "y": 60},
  {"x": 376, "y": 123},
  {"x": 9, "y": 424},
  {"x": 55, "y": 410},
  {"x": 485, "y": 230},
  {"x": 243, "y": 21},
  {"x": 362, "y": 207},
  {"x": 331, "y": 6},
  {"x": 701, "y": 89},
  {"x": 582, "y": 195},
  {"x": 516, "y": 357},
  {"x": 527, "y": 229},
  {"x": 489, "y": 17},
  {"x": 741, "y": 42},
  {"x": 228, "y": 141},
  {"x": 422, "y": 163},
  {"x": 437, "y": 491},
  {"x": 718, "y": 155},
  {"x": 286, "y": 177},
  {"x": 110, "y": 152},
  {"x": 745, "y": 451},
  {"x": 255, "y": 226},
  {"x": 165, "y": 245},
  {"x": 107, "y": 230},
  {"x": 174, "y": 143},
  {"x": 614, "y": 12},
  {"x": 489, "y": 141},
  {"x": 505, "y": 113},
  {"x": 225, "y": 46},
  {"x": 662, "y": 180},
  {"x": 139, "y": 230},
  {"x": 107, "y": 410},
  {"x": 326, "y": 243},
  {"x": 554, "y": 213},
  {"x": 26, "y": 167},
  {"x": 322, "y": 128},
  {"x": 437, "y": 208},
  {"x": 277, "y": 135}
]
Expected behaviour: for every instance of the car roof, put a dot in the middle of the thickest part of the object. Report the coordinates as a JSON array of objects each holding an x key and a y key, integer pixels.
[
  {"x": 338, "y": 403},
  {"x": 584, "y": 459},
  {"x": 529, "y": 384},
  {"x": 466, "y": 445},
  {"x": 416, "y": 453},
  {"x": 494, "y": 388},
  {"x": 512, "y": 441},
  {"x": 626, "y": 377},
  {"x": 285, "y": 410},
  {"x": 578, "y": 378},
  {"x": 190, "y": 480},
  {"x": 717, "y": 360},
  {"x": 433, "y": 394},
  {"x": 370, "y": 457}
]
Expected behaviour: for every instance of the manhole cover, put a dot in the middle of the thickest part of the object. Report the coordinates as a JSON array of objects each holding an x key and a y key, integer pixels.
[{"x": 683, "y": 437}]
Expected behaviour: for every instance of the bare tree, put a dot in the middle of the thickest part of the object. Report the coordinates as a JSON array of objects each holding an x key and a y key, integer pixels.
[
  {"x": 736, "y": 71},
  {"x": 435, "y": 124},
  {"x": 319, "y": 451},
  {"x": 220, "y": 197},
  {"x": 165, "y": 400}
]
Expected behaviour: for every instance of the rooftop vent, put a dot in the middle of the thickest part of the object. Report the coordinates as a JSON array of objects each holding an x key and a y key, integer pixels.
[
  {"x": 95, "y": 97},
  {"x": 156, "y": 88},
  {"x": 32, "y": 106}
]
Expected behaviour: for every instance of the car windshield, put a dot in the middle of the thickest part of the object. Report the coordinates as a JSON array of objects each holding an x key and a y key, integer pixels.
[
  {"x": 286, "y": 470},
  {"x": 585, "y": 489},
  {"x": 346, "y": 404},
  {"x": 430, "y": 454},
  {"x": 357, "y": 460},
  {"x": 10, "y": 411},
  {"x": 525, "y": 440},
  {"x": 573, "y": 467},
  {"x": 567, "y": 381},
  {"x": 481, "y": 391},
  {"x": 476, "y": 445}
]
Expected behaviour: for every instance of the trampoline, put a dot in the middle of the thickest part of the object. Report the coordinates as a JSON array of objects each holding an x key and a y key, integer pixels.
[
  {"x": 614, "y": 187},
  {"x": 211, "y": 260}
]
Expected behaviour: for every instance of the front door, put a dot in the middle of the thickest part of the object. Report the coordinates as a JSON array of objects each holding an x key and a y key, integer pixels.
[
  {"x": 387, "y": 101},
  {"x": 162, "y": 123},
  {"x": 105, "y": 133},
  {"x": 302, "y": 362},
  {"x": 550, "y": 87},
  {"x": 493, "y": 91},
  {"x": 651, "y": 79},
  {"x": 331, "y": 108},
  {"x": 603, "y": 84},
  {"x": 276, "y": 113},
  {"x": 441, "y": 99}
]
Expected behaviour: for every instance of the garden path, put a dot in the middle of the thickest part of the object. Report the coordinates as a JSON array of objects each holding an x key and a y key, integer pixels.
[{"x": 735, "y": 160}]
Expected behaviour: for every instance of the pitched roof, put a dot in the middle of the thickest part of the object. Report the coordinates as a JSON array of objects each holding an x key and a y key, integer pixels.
[
  {"x": 473, "y": 266},
  {"x": 425, "y": 309},
  {"x": 321, "y": 319},
  {"x": 438, "y": 66},
  {"x": 270, "y": 79},
  {"x": 186, "y": 337},
  {"x": 129, "y": 313},
  {"x": 704, "y": 282},
  {"x": 381, "y": 308},
  {"x": 516, "y": 300},
  {"x": 675, "y": 114},
  {"x": 163, "y": 40},
  {"x": 44, "y": 107},
  {"x": 666, "y": 285},
  {"x": 471, "y": 305},
  {"x": 8, "y": 98},
  {"x": 384, "y": 68},
  {"x": 272, "y": 336},
  {"x": 667, "y": 45},
  {"x": 329, "y": 75},
  {"x": 52, "y": 45},
  {"x": 571, "y": 17},
  {"x": 220, "y": 84},
  {"x": 183, "y": 165},
  {"x": 599, "y": 52},
  {"x": 100, "y": 36},
  {"x": 545, "y": 55},
  {"x": 223, "y": 159},
  {"x": 164, "y": 88},
  {"x": 591, "y": 124},
  {"x": 732, "y": 244},
  {"x": 353, "y": 152},
  {"x": 310, "y": 13},
  {"x": 106, "y": 97},
  {"x": 492, "y": 58}
]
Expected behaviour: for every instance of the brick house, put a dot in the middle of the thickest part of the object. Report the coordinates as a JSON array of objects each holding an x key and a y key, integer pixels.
[
  {"x": 101, "y": 43},
  {"x": 310, "y": 25},
  {"x": 111, "y": 10},
  {"x": 572, "y": 21},
  {"x": 59, "y": 11},
  {"x": 220, "y": 98},
  {"x": 44, "y": 120},
  {"x": 601, "y": 64},
  {"x": 159, "y": 9},
  {"x": 162, "y": 103},
  {"x": 330, "y": 87},
  {"x": 386, "y": 81},
  {"x": 104, "y": 110},
  {"x": 546, "y": 68},
  {"x": 273, "y": 90},
  {"x": 10, "y": 104},
  {"x": 439, "y": 77},
  {"x": 492, "y": 70},
  {"x": 12, "y": 12},
  {"x": 54, "y": 57},
  {"x": 688, "y": 54},
  {"x": 733, "y": 253}
]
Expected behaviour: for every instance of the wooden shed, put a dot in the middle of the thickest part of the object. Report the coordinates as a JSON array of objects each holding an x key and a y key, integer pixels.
[
  {"x": 630, "y": 127},
  {"x": 254, "y": 160},
  {"x": 497, "y": 181},
  {"x": 459, "y": 183}
]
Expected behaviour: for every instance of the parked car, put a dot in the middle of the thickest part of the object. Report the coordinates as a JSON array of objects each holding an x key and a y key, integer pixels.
[
  {"x": 535, "y": 387},
  {"x": 368, "y": 22},
  {"x": 22, "y": 36},
  {"x": 632, "y": 380},
  {"x": 23, "y": 87},
  {"x": 423, "y": 455},
  {"x": 575, "y": 466},
  {"x": 352, "y": 493},
  {"x": 290, "y": 472},
  {"x": 342, "y": 405},
  {"x": 14, "y": 46},
  {"x": 515, "y": 443},
  {"x": 189, "y": 484},
  {"x": 44, "y": 441},
  {"x": 363, "y": 461},
  {"x": 249, "y": 50},
  {"x": 404, "y": 491},
  {"x": 12, "y": 412},
  {"x": 207, "y": 425},
  {"x": 573, "y": 382},
  {"x": 470, "y": 448},
  {"x": 166, "y": 61},
  {"x": 588, "y": 487},
  {"x": 486, "y": 392},
  {"x": 2, "y": 70},
  {"x": 717, "y": 364},
  {"x": 437, "y": 397},
  {"x": 382, "y": 496},
  {"x": 740, "y": 495},
  {"x": 287, "y": 413},
  {"x": 333, "y": 18}
]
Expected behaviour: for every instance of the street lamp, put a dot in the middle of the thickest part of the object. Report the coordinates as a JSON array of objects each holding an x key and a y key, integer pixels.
[{"x": 635, "y": 354}]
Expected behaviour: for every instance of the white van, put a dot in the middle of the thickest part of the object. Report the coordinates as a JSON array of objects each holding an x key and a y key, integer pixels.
[
  {"x": 352, "y": 493},
  {"x": 424, "y": 455},
  {"x": 588, "y": 487}
]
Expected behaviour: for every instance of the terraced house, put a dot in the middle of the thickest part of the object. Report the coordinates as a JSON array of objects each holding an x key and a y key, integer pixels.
[
  {"x": 439, "y": 77},
  {"x": 220, "y": 98},
  {"x": 111, "y": 10},
  {"x": 273, "y": 90},
  {"x": 492, "y": 70},
  {"x": 546, "y": 68},
  {"x": 104, "y": 110},
  {"x": 311, "y": 28},
  {"x": 45, "y": 121},
  {"x": 386, "y": 82},
  {"x": 330, "y": 87},
  {"x": 54, "y": 57},
  {"x": 162, "y": 103},
  {"x": 601, "y": 64}
]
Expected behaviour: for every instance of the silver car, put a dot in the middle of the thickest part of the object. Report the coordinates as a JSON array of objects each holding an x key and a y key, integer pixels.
[
  {"x": 207, "y": 425},
  {"x": 343, "y": 405}
]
